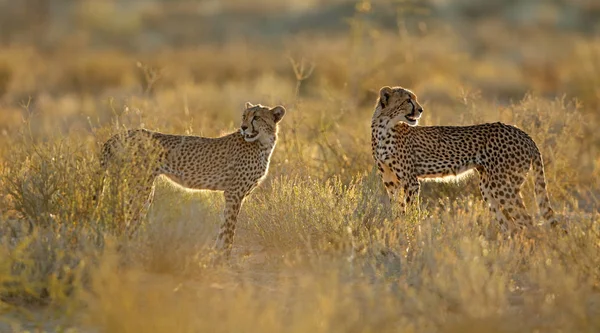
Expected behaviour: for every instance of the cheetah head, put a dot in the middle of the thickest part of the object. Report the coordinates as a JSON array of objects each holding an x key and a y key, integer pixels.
[
  {"x": 397, "y": 104},
  {"x": 260, "y": 122}
]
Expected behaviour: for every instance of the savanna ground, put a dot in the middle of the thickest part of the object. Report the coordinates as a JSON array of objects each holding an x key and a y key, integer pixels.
[{"x": 68, "y": 83}]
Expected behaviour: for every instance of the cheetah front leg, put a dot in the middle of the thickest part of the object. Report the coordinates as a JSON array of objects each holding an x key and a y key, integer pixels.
[
  {"x": 393, "y": 190},
  {"x": 233, "y": 203},
  {"x": 392, "y": 185},
  {"x": 412, "y": 188}
]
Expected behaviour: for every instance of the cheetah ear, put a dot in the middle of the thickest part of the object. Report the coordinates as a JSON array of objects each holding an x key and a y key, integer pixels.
[
  {"x": 278, "y": 113},
  {"x": 384, "y": 96},
  {"x": 249, "y": 105}
]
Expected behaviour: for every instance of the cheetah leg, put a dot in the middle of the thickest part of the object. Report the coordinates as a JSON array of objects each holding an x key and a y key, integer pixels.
[
  {"x": 411, "y": 195},
  {"x": 233, "y": 203},
  {"x": 392, "y": 185},
  {"x": 515, "y": 208},
  {"x": 393, "y": 190},
  {"x": 138, "y": 210},
  {"x": 508, "y": 194},
  {"x": 486, "y": 193}
]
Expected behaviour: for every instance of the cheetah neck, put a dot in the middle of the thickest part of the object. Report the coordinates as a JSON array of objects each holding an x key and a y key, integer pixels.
[
  {"x": 380, "y": 133},
  {"x": 267, "y": 144},
  {"x": 265, "y": 150}
]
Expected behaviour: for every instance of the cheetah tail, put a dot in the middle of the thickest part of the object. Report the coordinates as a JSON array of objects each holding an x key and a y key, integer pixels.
[{"x": 540, "y": 188}]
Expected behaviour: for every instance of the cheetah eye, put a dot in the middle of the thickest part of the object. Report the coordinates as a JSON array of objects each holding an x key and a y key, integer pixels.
[{"x": 252, "y": 120}]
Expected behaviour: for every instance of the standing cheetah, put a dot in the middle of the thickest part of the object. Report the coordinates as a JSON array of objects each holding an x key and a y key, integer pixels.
[
  {"x": 235, "y": 163},
  {"x": 502, "y": 155}
]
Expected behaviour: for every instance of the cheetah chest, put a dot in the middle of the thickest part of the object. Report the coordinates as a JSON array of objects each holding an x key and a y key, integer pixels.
[{"x": 254, "y": 171}]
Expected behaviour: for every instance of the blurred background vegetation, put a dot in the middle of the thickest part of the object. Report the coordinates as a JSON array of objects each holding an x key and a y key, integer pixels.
[
  {"x": 74, "y": 72},
  {"x": 502, "y": 48},
  {"x": 76, "y": 66}
]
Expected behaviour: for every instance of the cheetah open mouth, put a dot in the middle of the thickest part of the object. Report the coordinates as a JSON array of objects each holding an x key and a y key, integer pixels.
[
  {"x": 248, "y": 136},
  {"x": 412, "y": 118}
]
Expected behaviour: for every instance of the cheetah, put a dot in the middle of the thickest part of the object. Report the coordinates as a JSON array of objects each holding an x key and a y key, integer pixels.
[
  {"x": 502, "y": 154},
  {"x": 235, "y": 163}
]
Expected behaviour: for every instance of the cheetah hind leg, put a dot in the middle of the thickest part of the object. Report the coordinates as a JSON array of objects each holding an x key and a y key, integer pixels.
[
  {"x": 517, "y": 211},
  {"x": 512, "y": 200},
  {"x": 493, "y": 205},
  {"x": 515, "y": 207},
  {"x": 137, "y": 211}
]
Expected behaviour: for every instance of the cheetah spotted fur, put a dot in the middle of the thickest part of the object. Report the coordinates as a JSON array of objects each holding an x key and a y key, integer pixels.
[
  {"x": 235, "y": 163},
  {"x": 502, "y": 155}
]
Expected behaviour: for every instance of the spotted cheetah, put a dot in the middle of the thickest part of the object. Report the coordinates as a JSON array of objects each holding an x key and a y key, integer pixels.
[
  {"x": 235, "y": 163},
  {"x": 502, "y": 155}
]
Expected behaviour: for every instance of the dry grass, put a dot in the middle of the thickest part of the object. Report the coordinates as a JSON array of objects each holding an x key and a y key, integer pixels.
[{"x": 66, "y": 267}]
